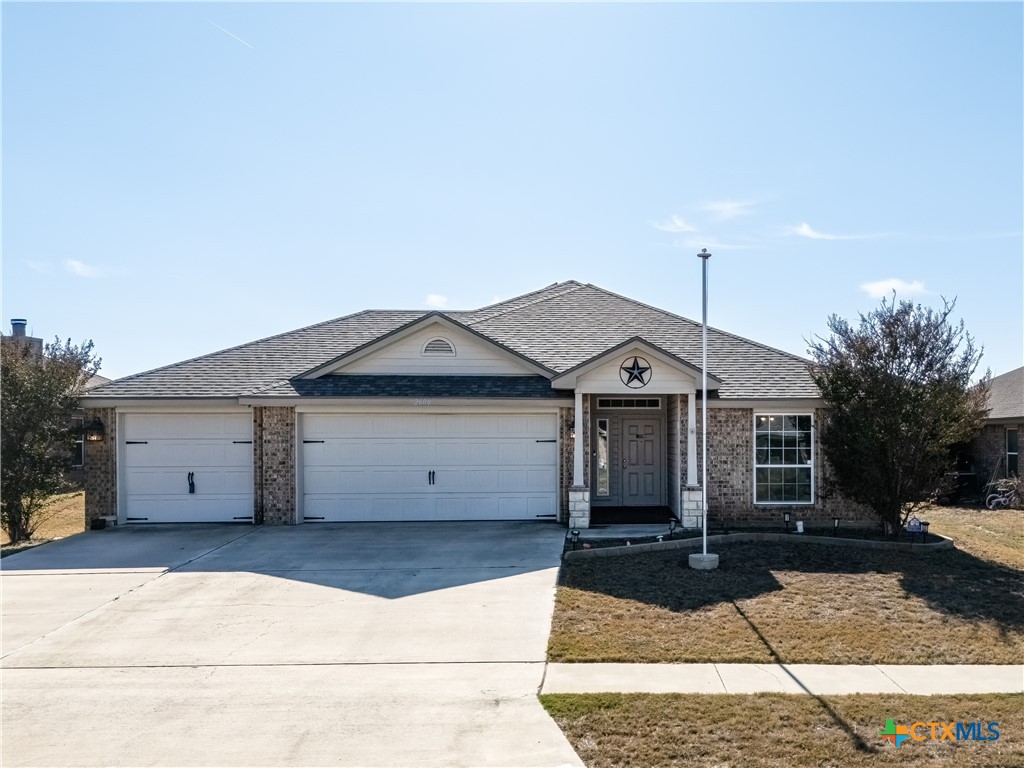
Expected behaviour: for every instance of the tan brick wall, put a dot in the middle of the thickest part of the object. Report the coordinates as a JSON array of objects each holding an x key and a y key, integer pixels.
[
  {"x": 101, "y": 459},
  {"x": 731, "y": 477},
  {"x": 566, "y": 418},
  {"x": 274, "y": 465},
  {"x": 989, "y": 450}
]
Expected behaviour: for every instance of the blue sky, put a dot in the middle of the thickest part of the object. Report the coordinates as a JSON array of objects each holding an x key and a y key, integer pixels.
[{"x": 182, "y": 178}]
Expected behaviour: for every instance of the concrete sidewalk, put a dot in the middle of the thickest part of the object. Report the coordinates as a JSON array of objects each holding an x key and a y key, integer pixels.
[{"x": 819, "y": 679}]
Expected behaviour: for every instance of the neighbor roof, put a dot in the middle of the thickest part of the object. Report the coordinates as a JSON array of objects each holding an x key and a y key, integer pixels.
[
  {"x": 558, "y": 327},
  {"x": 1006, "y": 395}
]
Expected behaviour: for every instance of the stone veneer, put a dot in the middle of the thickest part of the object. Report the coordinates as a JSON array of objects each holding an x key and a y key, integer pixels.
[
  {"x": 101, "y": 461},
  {"x": 274, "y": 465}
]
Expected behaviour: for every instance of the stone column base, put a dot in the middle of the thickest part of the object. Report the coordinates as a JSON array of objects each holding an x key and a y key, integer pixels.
[
  {"x": 579, "y": 506},
  {"x": 692, "y": 515}
]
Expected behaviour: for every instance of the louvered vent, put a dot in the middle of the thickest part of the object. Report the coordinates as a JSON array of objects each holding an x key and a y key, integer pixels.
[{"x": 439, "y": 347}]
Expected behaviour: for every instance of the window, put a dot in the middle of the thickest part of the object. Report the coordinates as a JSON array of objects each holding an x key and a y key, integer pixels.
[
  {"x": 783, "y": 459},
  {"x": 602, "y": 457},
  {"x": 440, "y": 347},
  {"x": 629, "y": 402},
  {"x": 1012, "y": 445},
  {"x": 78, "y": 447}
]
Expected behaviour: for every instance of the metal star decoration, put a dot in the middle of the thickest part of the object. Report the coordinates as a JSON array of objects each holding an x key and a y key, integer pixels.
[{"x": 633, "y": 372}]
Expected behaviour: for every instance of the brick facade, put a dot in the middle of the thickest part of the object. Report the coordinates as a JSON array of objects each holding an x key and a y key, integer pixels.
[
  {"x": 101, "y": 459},
  {"x": 731, "y": 478},
  {"x": 988, "y": 450},
  {"x": 274, "y": 465}
]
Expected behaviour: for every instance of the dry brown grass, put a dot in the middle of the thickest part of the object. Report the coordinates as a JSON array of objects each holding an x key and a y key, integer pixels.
[
  {"x": 803, "y": 603},
  {"x": 779, "y": 730},
  {"x": 64, "y": 516}
]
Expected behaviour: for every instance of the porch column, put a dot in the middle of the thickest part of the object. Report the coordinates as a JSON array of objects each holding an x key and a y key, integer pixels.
[
  {"x": 691, "y": 439},
  {"x": 577, "y": 444},
  {"x": 579, "y": 494}
]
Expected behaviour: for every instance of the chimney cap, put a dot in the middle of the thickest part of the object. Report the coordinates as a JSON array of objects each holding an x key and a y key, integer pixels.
[{"x": 18, "y": 326}]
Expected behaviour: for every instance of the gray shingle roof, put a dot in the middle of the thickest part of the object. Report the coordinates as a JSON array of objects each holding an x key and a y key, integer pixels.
[
  {"x": 559, "y": 327},
  {"x": 1006, "y": 395},
  {"x": 380, "y": 385}
]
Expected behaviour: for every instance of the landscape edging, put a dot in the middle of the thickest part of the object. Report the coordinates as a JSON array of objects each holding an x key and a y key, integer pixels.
[{"x": 942, "y": 543}]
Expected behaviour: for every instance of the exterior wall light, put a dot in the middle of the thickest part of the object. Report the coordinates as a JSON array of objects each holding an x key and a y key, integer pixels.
[{"x": 95, "y": 432}]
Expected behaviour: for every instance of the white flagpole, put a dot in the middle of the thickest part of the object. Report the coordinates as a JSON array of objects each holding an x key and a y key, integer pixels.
[{"x": 704, "y": 256}]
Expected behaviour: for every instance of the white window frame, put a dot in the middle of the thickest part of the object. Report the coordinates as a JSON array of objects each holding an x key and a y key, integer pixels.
[
  {"x": 1008, "y": 452},
  {"x": 756, "y": 466},
  {"x": 628, "y": 407},
  {"x": 79, "y": 438}
]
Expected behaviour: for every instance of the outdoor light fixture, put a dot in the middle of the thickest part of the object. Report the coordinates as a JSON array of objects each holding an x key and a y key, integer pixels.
[
  {"x": 575, "y": 537},
  {"x": 671, "y": 527},
  {"x": 924, "y": 531},
  {"x": 95, "y": 432},
  {"x": 835, "y": 526},
  {"x": 785, "y": 519}
]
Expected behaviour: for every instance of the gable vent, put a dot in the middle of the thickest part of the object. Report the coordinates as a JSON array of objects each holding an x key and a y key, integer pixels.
[{"x": 439, "y": 347}]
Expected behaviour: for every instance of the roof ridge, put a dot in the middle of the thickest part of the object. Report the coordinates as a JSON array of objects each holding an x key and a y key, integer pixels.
[
  {"x": 694, "y": 322},
  {"x": 573, "y": 285},
  {"x": 133, "y": 376}
]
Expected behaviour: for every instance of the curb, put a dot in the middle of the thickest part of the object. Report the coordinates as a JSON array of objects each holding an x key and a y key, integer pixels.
[{"x": 942, "y": 543}]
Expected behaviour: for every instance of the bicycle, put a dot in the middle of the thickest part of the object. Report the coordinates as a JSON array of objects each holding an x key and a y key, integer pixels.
[{"x": 1003, "y": 499}]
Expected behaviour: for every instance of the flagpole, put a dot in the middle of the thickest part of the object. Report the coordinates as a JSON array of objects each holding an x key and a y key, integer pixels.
[{"x": 704, "y": 561}]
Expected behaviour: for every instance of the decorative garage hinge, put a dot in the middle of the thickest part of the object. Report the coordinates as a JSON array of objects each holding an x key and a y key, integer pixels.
[
  {"x": 137, "y": 442},
  {"x": 312, "y": 441}
]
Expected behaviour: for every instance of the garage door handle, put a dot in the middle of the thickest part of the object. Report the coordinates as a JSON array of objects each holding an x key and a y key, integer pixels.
[
  {"x": 545, "y": 441},
  {"x": 137, "y": 442},
  {"x": 312, "y": 441},
  {"x": 191, "y": 482}
]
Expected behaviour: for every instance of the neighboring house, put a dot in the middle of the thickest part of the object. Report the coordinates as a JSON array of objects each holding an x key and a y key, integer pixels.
[
  {"x": 995, "y": 450},
  {"x": 77, "y": 472},
  {"x": 545, "y": 406}
]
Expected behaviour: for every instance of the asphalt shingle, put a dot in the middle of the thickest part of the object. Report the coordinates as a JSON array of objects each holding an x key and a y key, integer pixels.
[{"x": 559, "y": 327}]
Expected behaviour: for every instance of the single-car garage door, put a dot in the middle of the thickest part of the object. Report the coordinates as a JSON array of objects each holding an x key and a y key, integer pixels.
[
  {"x": 188, "y": 468},
  {"x": 422, "y": 466}
]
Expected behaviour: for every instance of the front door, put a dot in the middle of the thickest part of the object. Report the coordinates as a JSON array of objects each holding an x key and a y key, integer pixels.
[{"x": 641, "y": 462}]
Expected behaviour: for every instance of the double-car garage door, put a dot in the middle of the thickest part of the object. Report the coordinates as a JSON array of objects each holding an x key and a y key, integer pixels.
[
  {"x": 429, "y": 466},
  {"x": 352, "y": 467}
]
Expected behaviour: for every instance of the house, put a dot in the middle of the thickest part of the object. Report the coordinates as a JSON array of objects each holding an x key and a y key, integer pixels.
[
  {"x": 995, "y": 450},
  {"x": 77, "y": 472},
  {"x": 554, "y": 405}
]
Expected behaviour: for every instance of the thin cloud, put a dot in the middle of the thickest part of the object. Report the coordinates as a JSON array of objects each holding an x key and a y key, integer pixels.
[
  {"x": 436, "y": 300},
  {"x": 882, "y": 288},
  {"x": 80, "y": 269},
  {"x": 805, "y": 230},
  {"x": 675, "y": 224},
  {"x": 723, "y": 210},
  {"x": 40, "y": 266},
  {"x": 218, "y": 26}
]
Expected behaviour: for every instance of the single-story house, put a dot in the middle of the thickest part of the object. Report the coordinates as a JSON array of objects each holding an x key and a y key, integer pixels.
[
  {"x": 547, "y": 406},
  {"x": 995, "y": 450}
]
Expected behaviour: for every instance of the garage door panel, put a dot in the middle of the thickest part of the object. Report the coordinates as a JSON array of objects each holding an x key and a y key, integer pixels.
[
  {"x": 188, "y": 455},
  {"x": 486, "y": 466},
  {"x": 165, "y": 448},
  {"x": 144, "y": 482}
]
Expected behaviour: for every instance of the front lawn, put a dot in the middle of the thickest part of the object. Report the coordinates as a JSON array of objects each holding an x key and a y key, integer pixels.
[
  {"x": 780, "y": 730},
  {"x": 777, "y": 602},
  {"x": 64, "y": 516}
]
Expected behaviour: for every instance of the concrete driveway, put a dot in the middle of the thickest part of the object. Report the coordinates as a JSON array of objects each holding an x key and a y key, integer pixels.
[{"x": 345, "y": 645}]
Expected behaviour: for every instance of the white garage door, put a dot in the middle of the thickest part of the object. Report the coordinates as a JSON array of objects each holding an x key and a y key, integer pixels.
[
  {"x": 472, "y": 466},
  {"x": 162, "y": 450}
]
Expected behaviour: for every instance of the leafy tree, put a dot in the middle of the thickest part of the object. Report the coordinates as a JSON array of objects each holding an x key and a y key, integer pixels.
[
  {"x": 38, "y": 396},
  {"x": 898, "y": 395}
]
